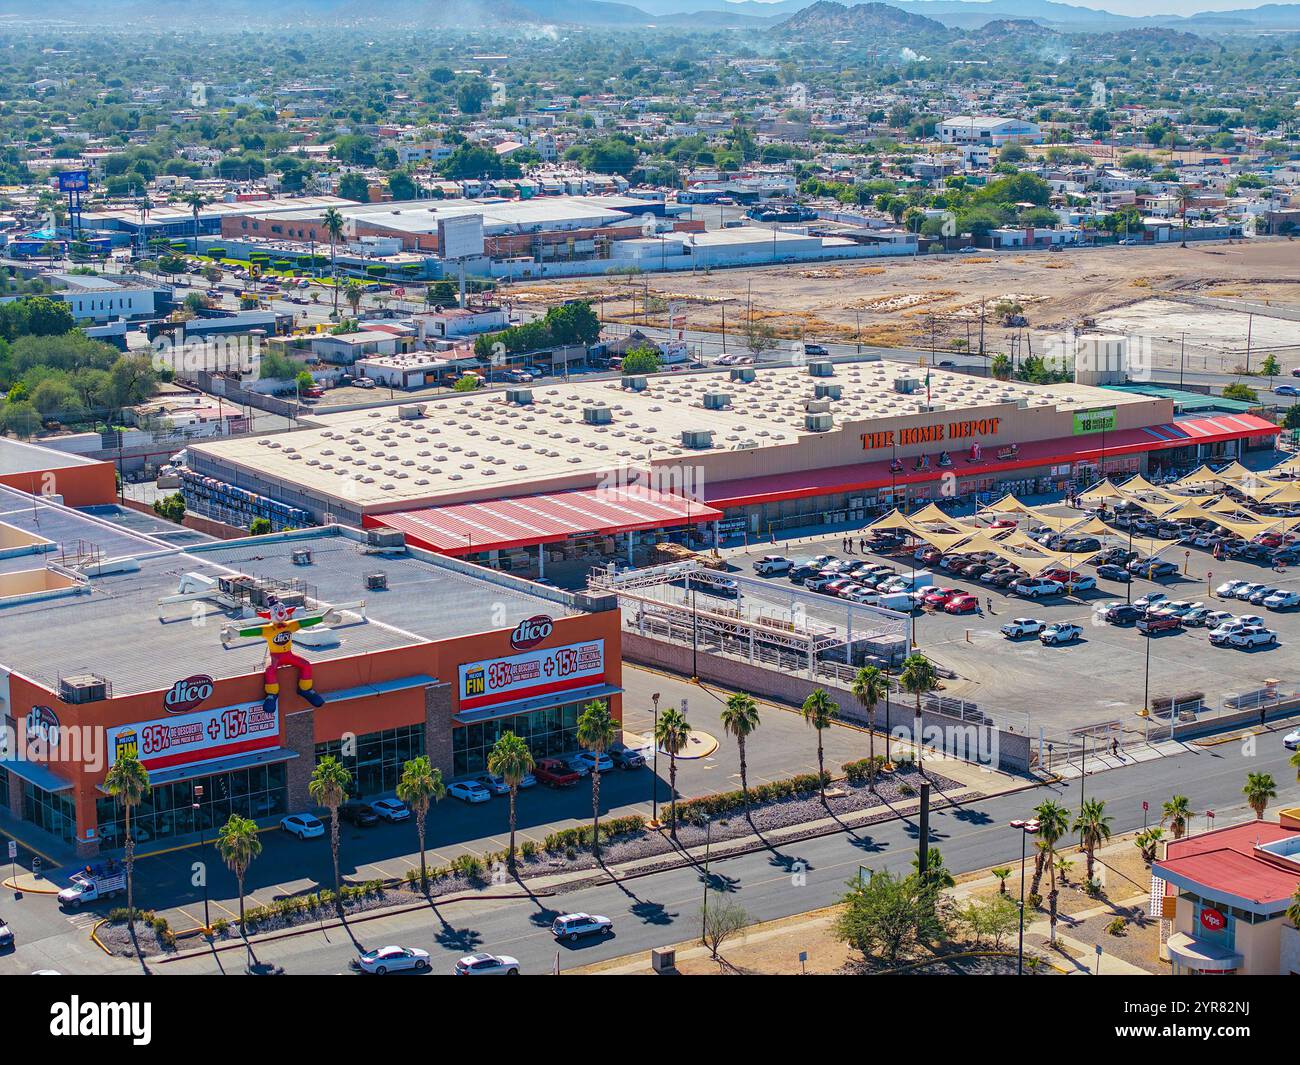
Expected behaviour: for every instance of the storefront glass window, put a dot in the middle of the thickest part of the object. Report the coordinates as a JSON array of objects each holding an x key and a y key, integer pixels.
[
  {"x": 378, "y": 758},
  {"x": 50, "y": 811},
  {"x": 547, "y": 732},
  {"x": 4, "y": 787}
]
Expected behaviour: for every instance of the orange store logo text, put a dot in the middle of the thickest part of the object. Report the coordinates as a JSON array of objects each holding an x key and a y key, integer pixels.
[{"x": 931, "y": 434}]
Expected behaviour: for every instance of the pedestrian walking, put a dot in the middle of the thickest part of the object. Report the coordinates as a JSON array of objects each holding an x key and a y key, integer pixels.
[
  {"x": 1114, "y": 747},
  {"x": 990, "y": 604}
]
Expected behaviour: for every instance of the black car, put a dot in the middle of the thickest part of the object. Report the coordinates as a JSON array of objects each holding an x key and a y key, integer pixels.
[
  {"x": 1114, "y": 573},
  {"x": 625, "y": 757},
  {"x": 1250, "y": 551},
  {"x": 1079, "y": 544},
  {"x": 1287, "y": 556},
  {"x": 814, "y": 349},
  {"x": 360, "y": 814},
  {"x": 1123, "y": 614}
]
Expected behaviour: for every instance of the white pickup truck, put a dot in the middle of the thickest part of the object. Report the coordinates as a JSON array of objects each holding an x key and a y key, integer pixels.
[{"x": 93, "y": 886}]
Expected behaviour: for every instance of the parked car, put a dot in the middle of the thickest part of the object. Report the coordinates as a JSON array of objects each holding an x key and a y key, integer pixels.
[
  {"x": 819, "y": 582},
  {"x": 1151, "y": 568},
  {"x": 554, "y": 773},
  {"x": 940, "y": 596},
  {"x": 1215, "y": 618},
  {"x": 770, "y": 564},
  {"x": 585, "y": 761},
  {"x": 304, "y": 826},
  {"x": 487, "y": 965},
  {"x": 713, "y": 583},
  {"x": 1257, "y": 598},
  {"x": 1291, "y": 741},
  {"x": 360, "y": 814},
  {"x": 469, "y": 791},
  {"x": 497, "y": 785},
  {"x": 1252, "y": 636},
  {"x": 1060, "y": 632},
  {"x": 1017, "y": 627},
  {"x": 1036, "y": 587},
  {"x": 391, "y": 810},
  {"x": 1220, "y": 634},
  {"x": 6, "y": 935},
  {"x": 393, "y": 959},
  {"x": 1080, "y": 583},
  {"x": 1150, "y": 600},
  {"x": 1153, "y": 623},
  {"x": 626, "y": 757},
  {"x": 962, "y": 604},
  {"x": 1197, "y": 616},
  {"x": 1245, "y": 592},
  {"x": 1228, "y": 589},
  {"x": 573, "y": 926},
  {"x": 1114, "y": 573},
  {"x": 1282, "y": 600},
  {"x": 1122, "y": 614}
]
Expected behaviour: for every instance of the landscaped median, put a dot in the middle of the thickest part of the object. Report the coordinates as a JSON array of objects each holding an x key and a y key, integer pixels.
[{"x": 775, "y": 806}]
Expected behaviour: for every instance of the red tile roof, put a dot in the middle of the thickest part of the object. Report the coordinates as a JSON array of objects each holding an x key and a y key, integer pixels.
[{"x": 1226, "y": 862}]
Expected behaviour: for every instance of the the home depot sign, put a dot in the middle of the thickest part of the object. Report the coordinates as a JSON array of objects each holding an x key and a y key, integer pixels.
[{"x": 931, "y": 434}]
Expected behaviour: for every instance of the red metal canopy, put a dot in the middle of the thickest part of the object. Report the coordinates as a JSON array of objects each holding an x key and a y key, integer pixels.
[
  {"x": 863, "y": 476},
  {"x": 498, "y": 524}
]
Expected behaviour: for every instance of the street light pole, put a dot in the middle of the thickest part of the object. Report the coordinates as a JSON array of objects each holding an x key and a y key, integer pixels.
[
  {"x": 203, "y": 849},
  {"x": 654, "y": 779},
  {"x": 704, "y": 911},
  {"x": 1027, "y": 828}
]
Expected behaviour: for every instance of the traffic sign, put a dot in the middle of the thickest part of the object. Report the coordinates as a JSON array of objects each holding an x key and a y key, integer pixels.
[{"x": 13, "y": 850}]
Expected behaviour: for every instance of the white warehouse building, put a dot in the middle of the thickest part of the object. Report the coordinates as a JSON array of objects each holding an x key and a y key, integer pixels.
[{"x": 988, "y": 129}]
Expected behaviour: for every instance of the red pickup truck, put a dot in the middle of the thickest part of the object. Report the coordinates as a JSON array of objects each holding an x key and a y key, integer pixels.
[
  {"x": 554, "y": 773},
  {"x": 1159, "y": 623}
]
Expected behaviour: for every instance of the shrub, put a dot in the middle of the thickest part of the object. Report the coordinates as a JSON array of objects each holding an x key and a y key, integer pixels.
[
  {"x": 864, "y": 770},
  {"x": 711, "y": 806},
  {"x": 529, "y": 850},
  {"x": 1118, "y": 927}
]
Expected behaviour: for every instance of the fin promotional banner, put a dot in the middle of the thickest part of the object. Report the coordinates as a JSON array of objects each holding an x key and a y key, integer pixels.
[
  {"x": 554, "y": 669},
  {"x": 199, "y": 737}
]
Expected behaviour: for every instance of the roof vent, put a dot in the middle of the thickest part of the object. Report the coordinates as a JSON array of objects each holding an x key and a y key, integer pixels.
[
  {"x": 377, "y": 582},
  {"x": 716, "y": 400},
  {"x": 818, "y": 423},
  {"x": 388, "y": 539},
  {"x": 635, "y": 382},
  {"x": 83, "y": 688},
  {"x": 744, "y": 373},
  {"x": 597, "y": 414},
  {"x": 410, "y": 413},
  {"x": 817, "y": 406},
  {"x": 520, "y": 396},
  {"x": 821, "y": 368},
  {"x": 828, "y": 391},
  {"x": 697, "y": 438},
  {"x": 906, "y": 385}
]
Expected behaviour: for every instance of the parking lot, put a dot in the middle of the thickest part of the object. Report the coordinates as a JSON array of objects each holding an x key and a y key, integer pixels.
[{"x": 1101, "y": 676}]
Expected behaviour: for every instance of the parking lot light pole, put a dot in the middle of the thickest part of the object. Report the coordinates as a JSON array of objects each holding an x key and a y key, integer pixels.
[
  {"x": 704, "y": 910},
  {"x": 1027, "y": 828},
  {"x": 654, "y": 777}
]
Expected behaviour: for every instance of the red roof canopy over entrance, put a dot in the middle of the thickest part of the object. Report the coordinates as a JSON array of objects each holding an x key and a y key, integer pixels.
[{"x": 498, "y": 524}]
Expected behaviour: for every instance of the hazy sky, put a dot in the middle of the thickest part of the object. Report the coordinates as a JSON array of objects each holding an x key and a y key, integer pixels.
[{"x": 1147, "y": 7}]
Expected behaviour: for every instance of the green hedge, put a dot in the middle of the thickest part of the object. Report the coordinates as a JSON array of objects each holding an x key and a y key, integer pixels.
[
  {"x": 864, "y": 770},
  {"x": 730, "y": 801},
  {"x": 580, "y": 836}
]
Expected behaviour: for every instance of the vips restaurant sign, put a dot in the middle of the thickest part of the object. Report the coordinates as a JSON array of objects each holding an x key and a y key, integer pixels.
[
  {"x": 199, "y": 737},
  {"x": 931, "y": 434},
  {"x": 524, "y": 676}
]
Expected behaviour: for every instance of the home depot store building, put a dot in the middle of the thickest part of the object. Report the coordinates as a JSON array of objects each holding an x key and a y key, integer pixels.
[{"x": 397, "y": 678}]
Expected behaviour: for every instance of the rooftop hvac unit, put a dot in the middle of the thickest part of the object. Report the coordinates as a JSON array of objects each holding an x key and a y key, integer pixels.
[
  {"x": 821, "y": 368},
  {"x": 828, "y": 391},
  {"x": 83, "y": 688},
  {"x": 519, "y": 396},
  {"x": 390, "y": 539},
  {"x": 697, "y": 438},
  {"x": 744, "y": 373},
  {"x": 301, "y": 556},
  {"x": 377, "y": 582},
  {"x": 817, "y": 406},
  {"x": 635, "y": 382},
  {"x": 716, "y": 400},
  {"x": 818, "y": 423},
  {"x": 597, "y": 414},
  {"x": 411, "y": 412},
  {"x": 906, "y": 385}
]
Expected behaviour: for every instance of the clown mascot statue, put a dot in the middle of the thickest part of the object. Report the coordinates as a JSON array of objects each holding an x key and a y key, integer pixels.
[{"x": 278, "y": 634}]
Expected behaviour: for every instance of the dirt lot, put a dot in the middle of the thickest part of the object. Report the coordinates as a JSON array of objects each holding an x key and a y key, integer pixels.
[{"x": 896, "y": 301}]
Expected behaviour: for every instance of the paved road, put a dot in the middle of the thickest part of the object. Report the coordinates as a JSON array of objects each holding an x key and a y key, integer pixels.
[{"x": 663, "y": 908}]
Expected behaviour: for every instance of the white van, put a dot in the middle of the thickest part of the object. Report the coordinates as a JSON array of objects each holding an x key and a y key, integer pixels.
[{"x": 910, "y": 582}]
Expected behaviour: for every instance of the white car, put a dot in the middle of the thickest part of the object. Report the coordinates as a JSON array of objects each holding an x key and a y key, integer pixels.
[
  {"x": 1247, "y": 590},
  {"x": 573, "y": 926},
  {"x": 1033, "y": 587},
  {"x": 469, "y": 791},
  {"x": 1060, "y": 632},
  {"x": 392, "y": 810},
  {"x": 1018, "y": 627},
  {"x": 584, "y": 761},
  {"x": 304, "y": 826},
  {"x": 393, "y": 959},
  {"x": 1252, "y": 619},
  {"x": 1083, "y": 583},
  {"x": 1291, "y": 741},
  {"x": 498, "y": 786},
  {"x": 1228, "y": 589},
  {"x": 1215, "y": 618},
  {"x": 1221, "y": 634},
  {"x": 1252, "y": 636},
  {"x": 487, "y": 965},
  {"x": 1281, "y": 600},
  {"x": 773, "y": 564},
  {"x": 861, "y": 595},
  {"x": 1150, "y": 600}
]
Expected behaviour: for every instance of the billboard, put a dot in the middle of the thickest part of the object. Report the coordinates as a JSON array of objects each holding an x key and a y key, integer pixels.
[
  {"x": 74, "y": 181},
  {"x": 199, "y": 737},
  {"x": 461, "y": 237},
  {"x": 1094, "y": 421},
  {"x": 541, "y": 672}
]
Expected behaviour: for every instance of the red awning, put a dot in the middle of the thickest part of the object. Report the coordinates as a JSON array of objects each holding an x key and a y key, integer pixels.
[
  {"x": 864, "y": 476},
  {"x": 497, "y": 524}
]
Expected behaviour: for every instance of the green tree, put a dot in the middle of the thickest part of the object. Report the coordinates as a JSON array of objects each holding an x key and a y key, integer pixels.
[
  {"x": 870, "y": 685},
  {"x": 171, "y": 507},
  {"x": 1056, "y": 818},
  {"x": 672, "y": 734},
  {"x": 740, "y": 719},
  {"x": 642, "y": 359},
  {"x": 1270, "y": 367},
  {"x": 1178, "y": 813},
  {"x": 886, "y": 916},
  {"x": 819, "y": 710},
  {"x": 328, "y": 787},
  {"x": 259, "y": 527},
  {"x": 239, "y": 844},
  {"x": 333, "y": 224},
  {"x": 1259, "y": 788},
  {"x": 420, "y": 787},
  {"x": 466, "y": 383},
  {"x": 128, "y": 782},
  {"x": 354, "y": 186},
  {"x": 1093, "y": 827},
  {"x": 511, "y": 760},
  {"x": 596, "y": 733},
  {"x": 918, "y": 677}
]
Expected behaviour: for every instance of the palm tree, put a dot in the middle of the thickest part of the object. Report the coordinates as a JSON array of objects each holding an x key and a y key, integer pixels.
[
  {"x": 918, "y": 677},
  {"x": 1295, "y": 764},
  {"x": 740, "y": 719},
  {"x": 328, "y": 787},
  {"x": 352, "y": 292},
  {"x": 596, "y": 733},
  {"x": 1260, "y": 787},
  {"x": 818, "y": 711},
  {"x": 333, "y": 223},
  {"x": 238, "y": 844},
  {"x": 1050, "y": 830},
  {"x": 420, "y": 787},
  {"x": 128, "y": 783},
  {"x": 1056, "y": 819},
  {"x": 511, "y": 760},
  {"x": 1178, "y": 812},
  {"x": 1002, "y": 872},
  {"x": 1184, "y": 196},
  {"x": 1093, "y": 827},
  {"x": 869, "y": 687},
  {"x": 196, "y": 201},
  {"x": 671, "y": 736}
]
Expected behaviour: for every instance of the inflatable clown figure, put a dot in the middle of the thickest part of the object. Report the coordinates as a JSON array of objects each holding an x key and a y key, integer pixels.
[{"x": 278, "y": 634}]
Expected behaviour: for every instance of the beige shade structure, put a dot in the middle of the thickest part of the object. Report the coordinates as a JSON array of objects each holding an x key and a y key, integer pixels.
[
  {"x": 1008, "y": 504},
  {"x": 895, "y": 519},
  {"x": 1060, "y": 523},
  {"x": 1285, "y": 492},
  {"x": 1137, "y": 483},
  {"x": 930, "y": 513},
  {"x": 1235, "y": 473},
  {"x": 1247, "y": 529},
  {"x": 945, "y": 542},
  {"x": 1291, "y": 467},
  {"x": 1203, "y": 475},
  {"x": 1101, "y": 492}
]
